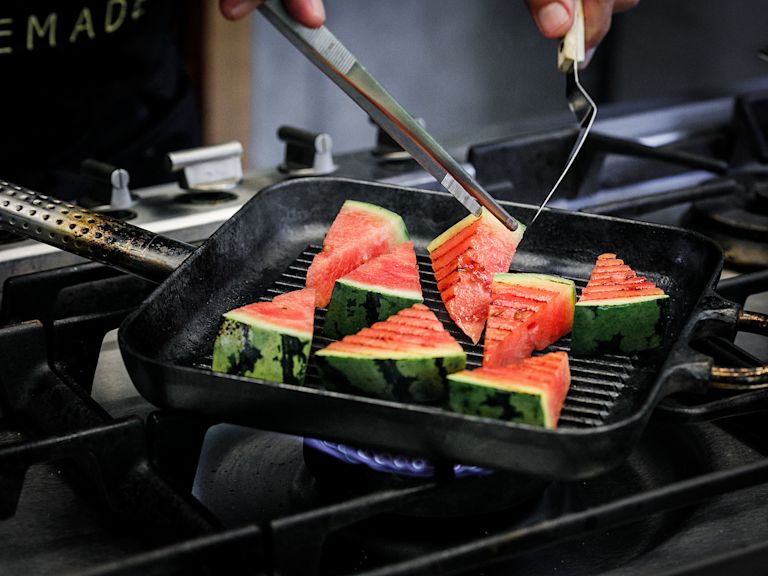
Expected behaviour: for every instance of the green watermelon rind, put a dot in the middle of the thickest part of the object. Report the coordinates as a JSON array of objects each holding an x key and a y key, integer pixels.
[
  {"x": 410, "y": 294},
  {"x": 619, "y": 325},
  {"x": 517, "y": 235},
  {"x": 393, "y": 217},
  {"x": 534, "y": 280},
  {"x": 409, "y": 379},
  {"x": 355, "y": 305},
  {"x": 489, "y": 398},
  {"x": 256, "y": 350}
]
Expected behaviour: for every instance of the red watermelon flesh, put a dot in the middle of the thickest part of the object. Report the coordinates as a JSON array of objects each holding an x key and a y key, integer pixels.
[
  {"x": 611, "y": 279},
  {"x": 527, "y": 312},
  {"x": 291, "y": 312},
  {"x": 421, "y": 333},
  {"x": 464, "y": 259},
  {"x": 547, "y": 376},
  {"x": 360, "y": 231},
  {"x": 396, "y": 270},
  {"x": 549, "y": 373}
]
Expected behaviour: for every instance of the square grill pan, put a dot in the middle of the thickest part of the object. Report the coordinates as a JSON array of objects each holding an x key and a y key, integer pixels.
[{"x": 266, "y": 248}]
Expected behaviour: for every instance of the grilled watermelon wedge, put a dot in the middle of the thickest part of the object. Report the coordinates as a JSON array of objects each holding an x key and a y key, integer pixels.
[
  {"x": 528, "y": 312},
  {"x": 406, "y": 358},
  {"x": 359, "y": 232},
  {"x": 619, "y": 312},
  {"x": 268, "y": 340},
  {"x": 530, "y": 391},
  {"x": 464, "y": 258},
  {"x": 374, "y": 291}
]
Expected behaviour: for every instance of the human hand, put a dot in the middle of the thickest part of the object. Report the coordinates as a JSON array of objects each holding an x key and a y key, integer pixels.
[
  {"x": 554, "y": 17},
  {"x": 308, "y": 12}
]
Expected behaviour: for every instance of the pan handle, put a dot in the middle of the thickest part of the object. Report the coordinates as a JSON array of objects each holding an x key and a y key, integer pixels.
[
  {"x": 755, "y": 378},
  {"x": 750, "y": 384},
  {"x": 89, "y": 234}
]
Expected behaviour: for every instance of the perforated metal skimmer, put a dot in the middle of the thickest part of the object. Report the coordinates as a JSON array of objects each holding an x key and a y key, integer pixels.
[{"x": 89, "y": 234}]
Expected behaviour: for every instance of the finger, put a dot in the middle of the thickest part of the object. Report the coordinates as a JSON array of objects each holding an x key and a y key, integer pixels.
[
  {"x": 553, "y": 17},
  {"x": 236, "y": 9},
  {"x": 622, "y": 5},
  {"x": 597, "y": 21},
  {"x": 308, "y": 12}
]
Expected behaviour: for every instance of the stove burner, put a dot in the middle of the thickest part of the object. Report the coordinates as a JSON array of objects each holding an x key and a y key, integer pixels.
[
  {"x": 665, "y": 454},
  {"x": 385, "y": 462},
  {"x": 738, "y": 222},
  {"x": 205, "y": 198},
  {"x": 343, "y": 472}
]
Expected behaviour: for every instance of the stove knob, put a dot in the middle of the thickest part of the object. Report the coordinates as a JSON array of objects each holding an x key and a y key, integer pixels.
[
  {"x": 306, "y": 153},
  {"x": 116, "y": 178},
  {"x": 387, "y": 150},
  {"x": 209, "y": 168}
]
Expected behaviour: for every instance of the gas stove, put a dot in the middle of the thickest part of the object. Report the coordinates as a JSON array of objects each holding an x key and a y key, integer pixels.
[{"x": 97, "y": 481}]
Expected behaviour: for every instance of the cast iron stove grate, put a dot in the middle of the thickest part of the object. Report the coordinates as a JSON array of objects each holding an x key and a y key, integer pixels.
[{"x": 596, "y": 383}]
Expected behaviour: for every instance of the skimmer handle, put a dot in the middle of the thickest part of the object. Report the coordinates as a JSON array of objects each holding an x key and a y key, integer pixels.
[{"x": 89, "y": 234}]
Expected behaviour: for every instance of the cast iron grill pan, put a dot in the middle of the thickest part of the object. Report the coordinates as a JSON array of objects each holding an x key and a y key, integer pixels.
[
  {"x": 265, "y": 245},
  {"x": 596, "y": 382}
]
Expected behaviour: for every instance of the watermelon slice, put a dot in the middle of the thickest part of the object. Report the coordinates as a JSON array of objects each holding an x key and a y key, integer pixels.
[
  {"x": 528, "y": 312},
  {"x": 464, "y": 258},
  {"x": 406, "y": 358},
  {"x": 268, "y": 340},
  {"x": 374, "y": 291},
  {"x": 619, "y": 312},
  {"x": 530, "y": 391},
  {"x": 361, "y": 231}
]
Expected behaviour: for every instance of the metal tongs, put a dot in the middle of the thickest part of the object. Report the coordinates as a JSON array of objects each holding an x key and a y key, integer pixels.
[
  {"x": 570, "y": 53},
  {"x": 340, "y": 65}
]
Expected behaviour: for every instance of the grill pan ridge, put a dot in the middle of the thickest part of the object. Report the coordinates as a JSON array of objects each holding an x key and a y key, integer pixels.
[{"x": 263, "y": 250}]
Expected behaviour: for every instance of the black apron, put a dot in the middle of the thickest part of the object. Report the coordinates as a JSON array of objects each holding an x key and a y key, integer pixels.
[{"x": 98, "y": 79}]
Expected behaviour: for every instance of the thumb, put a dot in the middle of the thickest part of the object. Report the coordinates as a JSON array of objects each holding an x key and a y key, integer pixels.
[{"x": 553, "y": 17}]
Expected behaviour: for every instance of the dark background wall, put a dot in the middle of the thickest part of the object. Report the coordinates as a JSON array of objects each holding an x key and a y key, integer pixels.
[{"x": 465, "y": 65}]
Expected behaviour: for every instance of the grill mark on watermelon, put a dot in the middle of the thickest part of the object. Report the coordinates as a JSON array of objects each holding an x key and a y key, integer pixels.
[
  {"x": 514, "y": 316},
  {"x": 618, "y": 292},
  {"x": 416, "y": 323},
  {"x": 455, "y": 240},
  {"x": 396, "y": 339},
  {"x": 396, "y": 331},
  {"x": 611, "y": 279},
  {"x": 532, "y": 384},
  {"x": 517, "y": 291},
  {"x": 464, "y": 265}
]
